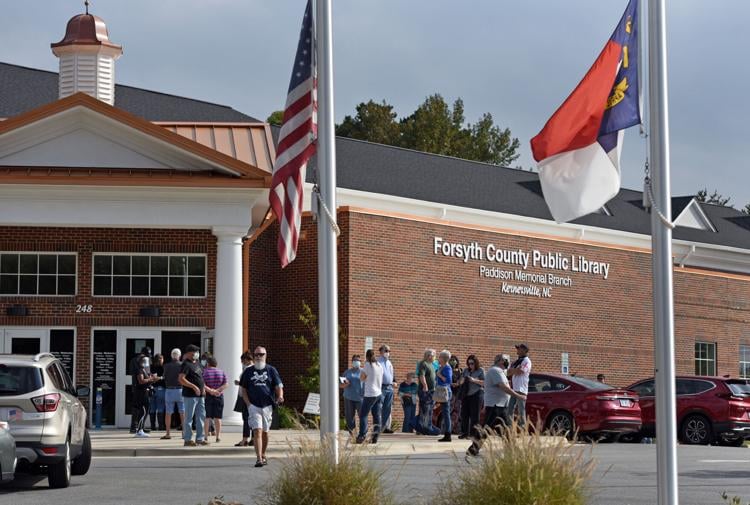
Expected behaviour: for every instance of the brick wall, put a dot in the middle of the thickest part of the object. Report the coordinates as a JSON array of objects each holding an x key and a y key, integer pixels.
[
  {"x": 108, "y": 311},
  {"x": 394, "y": 289}
]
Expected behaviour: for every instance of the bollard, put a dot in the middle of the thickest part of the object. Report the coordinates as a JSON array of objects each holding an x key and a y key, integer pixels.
[{"x": 98, "y": 412}]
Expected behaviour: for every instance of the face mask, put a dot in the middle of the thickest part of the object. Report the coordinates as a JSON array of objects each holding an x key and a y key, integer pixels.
[
  {"x": 356, "y": 363},
  {"x": 144, "y": 364},
  {"x": 260, "y": 364},
  {"x": 203, "y": 362}
]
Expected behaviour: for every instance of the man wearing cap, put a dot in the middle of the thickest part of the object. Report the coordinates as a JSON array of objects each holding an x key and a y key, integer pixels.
[
  {"x": 387, "y": 387},
  {"x": 194, "y": 397},
  {"x": 519, "y": 375}
]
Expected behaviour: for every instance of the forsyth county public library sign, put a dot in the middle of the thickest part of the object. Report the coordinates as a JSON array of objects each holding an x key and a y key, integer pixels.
[{"x": 514, "y": 263}]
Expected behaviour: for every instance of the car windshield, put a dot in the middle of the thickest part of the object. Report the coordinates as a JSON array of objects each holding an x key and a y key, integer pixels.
[
  {"x": 19, "y": 380},
  {"x": 740, "y": 388},
  {"x": 588, "y": 383}
]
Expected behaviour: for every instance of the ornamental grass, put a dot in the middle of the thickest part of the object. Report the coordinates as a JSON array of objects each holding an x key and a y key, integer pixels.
[
  {"x": 308, "y": 477},
  {"x": 516, "y": 468}
]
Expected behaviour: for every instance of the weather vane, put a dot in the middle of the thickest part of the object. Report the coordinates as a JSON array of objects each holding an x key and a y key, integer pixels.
[{"x": 86, "y": 3}]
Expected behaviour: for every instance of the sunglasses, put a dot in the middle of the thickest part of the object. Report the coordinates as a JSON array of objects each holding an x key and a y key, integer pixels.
[
  {"x": 470, "y": 363},
  {"x": 259, "y": 354}
]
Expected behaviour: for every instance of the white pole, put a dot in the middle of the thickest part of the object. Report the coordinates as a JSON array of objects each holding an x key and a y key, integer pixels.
[
  {"x": 661, "y": 237},
  {"x": 327, "y": 275}
]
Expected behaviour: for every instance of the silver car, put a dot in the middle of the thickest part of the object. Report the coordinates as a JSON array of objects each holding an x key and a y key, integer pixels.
[
  {"x": 46, "y": 417},
  {"x": 7, "y": 453}
]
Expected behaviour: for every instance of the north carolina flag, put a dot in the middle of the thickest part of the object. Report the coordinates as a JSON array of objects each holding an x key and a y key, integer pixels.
[{"x": 578, "y": 150}]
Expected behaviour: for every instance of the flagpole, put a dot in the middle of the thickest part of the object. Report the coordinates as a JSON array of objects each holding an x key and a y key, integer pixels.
[
  {"x": 327, "y": 274},
  {"x": 661, "y": 239}
]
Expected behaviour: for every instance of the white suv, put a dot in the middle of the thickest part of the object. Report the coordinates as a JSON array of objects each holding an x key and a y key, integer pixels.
[{"x": 46, "y": 418}]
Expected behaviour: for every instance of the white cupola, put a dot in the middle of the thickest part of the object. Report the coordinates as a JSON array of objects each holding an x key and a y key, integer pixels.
[{"x": 87, "y": 58}]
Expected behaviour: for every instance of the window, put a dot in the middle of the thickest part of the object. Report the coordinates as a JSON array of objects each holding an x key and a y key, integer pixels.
[
  {"x": 46, "y": 274},
  {"x": 149, "y": 275},
  {"x": 745, "y": 361},
  {"x": 645, "y": 388},
  {"x": 693, "y": 386},
  {"x": 705, "y": 358},
  {"x": 543, "y": 384}
]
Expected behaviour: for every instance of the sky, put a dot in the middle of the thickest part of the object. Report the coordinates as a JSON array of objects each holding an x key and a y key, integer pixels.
[{"x": 517, "y": 59}]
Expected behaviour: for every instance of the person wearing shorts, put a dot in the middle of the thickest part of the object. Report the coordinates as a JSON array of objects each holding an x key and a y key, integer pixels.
[
  {"x": 173, "y": 391},
  {"x": 261, "y": 388},
  {"x": 216, "y": 383}
]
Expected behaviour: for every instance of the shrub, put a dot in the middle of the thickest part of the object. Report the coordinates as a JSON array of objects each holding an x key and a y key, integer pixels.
[
  {"x": 308, "y": 477},
  {"x": 288, "y": 418},
  {"x": 523, "y": 469}
]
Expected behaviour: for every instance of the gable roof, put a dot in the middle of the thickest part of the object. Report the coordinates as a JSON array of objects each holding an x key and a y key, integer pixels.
[
  {"x": 378, "y": 168},
  {"x": 229, "y": 168},
  {"x": 23, "y": 89}
]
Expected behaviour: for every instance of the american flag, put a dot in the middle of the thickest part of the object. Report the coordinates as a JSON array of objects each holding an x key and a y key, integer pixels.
[{"x": 296, "y": 142}]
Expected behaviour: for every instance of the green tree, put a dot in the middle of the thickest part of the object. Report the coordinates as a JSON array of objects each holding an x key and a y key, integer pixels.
[
  {"x": 434, "y": 127},
  {"x": 715, "y": 197},
  {"x": 276, "y": 118},
  {"x": 310, "y": 382},
  {"x": 375, "y": 122}
]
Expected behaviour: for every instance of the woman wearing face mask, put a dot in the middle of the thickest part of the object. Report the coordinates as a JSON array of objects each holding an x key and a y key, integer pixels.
[
  {"x": 239, "y": 405},
  {"x": 143, "y": 390},
  {"x": 352, "y": 386}
]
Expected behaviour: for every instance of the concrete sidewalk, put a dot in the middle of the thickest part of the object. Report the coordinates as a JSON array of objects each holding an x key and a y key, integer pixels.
[{"x": 122, "y": 443}]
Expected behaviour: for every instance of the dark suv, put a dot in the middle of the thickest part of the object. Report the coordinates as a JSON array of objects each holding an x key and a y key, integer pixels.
[{"x": 709, "y": 409}]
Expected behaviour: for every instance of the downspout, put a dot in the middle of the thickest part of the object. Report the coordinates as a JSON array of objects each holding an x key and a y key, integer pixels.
[{"x": 684, "y": 259}]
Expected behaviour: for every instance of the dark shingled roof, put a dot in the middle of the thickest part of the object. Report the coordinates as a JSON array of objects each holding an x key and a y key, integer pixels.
[
  {"x": 378, "y": 168},
  {"x": 23, "y": 89}
]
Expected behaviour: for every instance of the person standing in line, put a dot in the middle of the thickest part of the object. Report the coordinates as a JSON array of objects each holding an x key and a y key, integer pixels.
[
  {"x": 426, "y": 377},
  {"x": 472, "y": 396},
  {"x": 600, "y": 378},
  {"x": 352, "y": 386},
  {"x": 455, "y": 364},
  {"x": 407, "y": 392},
  {"x": 443, "y": 393},
  {"x": 143, "y": 392},
  {"x": 387, "y": 387},
  {"x": 519, "y": 375},
  {"x": 261, "y": 388},
  {"x": 133, "y": 366},
  {"x": 194, "y": 396},
  {"x": 497, "y": 395},
  {"x": 240, "y": 406},
  {"x": 216, "y": 382},
  {"x": 173, "y": 392},
  {"x": 156, "y": 414},
  {"x": 372, "y": 376}
]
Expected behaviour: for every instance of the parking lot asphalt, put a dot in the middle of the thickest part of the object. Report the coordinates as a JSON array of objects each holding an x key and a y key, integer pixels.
[{"x": 624, "y": 474}]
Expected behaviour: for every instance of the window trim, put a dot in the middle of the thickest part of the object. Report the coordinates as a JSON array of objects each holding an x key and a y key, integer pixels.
[
  {"x": 150, "y": 255},
  {"x": 47, "y": 253},
  {"x": 741, "y": 361},
  {"x": 696, "y": 360}
]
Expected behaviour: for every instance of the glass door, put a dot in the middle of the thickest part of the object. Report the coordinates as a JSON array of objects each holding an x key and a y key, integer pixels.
[{"x": 129, "y": 345}]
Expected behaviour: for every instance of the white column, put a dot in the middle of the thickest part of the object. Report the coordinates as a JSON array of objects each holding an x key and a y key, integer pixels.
[{"x": 228, "y": 326}]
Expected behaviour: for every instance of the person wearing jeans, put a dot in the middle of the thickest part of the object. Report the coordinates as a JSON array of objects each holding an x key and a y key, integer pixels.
[
  {"x": 519, "y": 375},
  {"x": 444, "y": 381},
  {"x": 407, "y": 391},
  {"x": 387, "y": 387},
  {"x": 426, "y": 377},
  {"x": 194, "y": 397},
  {"x": 372, "y": 376},
  {"x": 352, "y": 386}
]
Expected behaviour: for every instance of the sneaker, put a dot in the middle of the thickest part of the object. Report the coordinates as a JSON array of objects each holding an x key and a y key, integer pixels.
[
  {"x": 360, "y": 440},
  {"x": 446, "y": 438},
  {"x": 166, "y": 437},
  {"x": 141, "y": 434},
  {"x": 258, "y": 464},
  {"x": 202, "y": 442},
  {"x": 388, "y": 431},
  {"x": 374, "y": 440},
  {"x": 189, "y": 443}
]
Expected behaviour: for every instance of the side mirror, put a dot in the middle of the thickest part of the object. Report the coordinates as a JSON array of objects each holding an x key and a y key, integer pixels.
[{"x": 83, "y": 391}]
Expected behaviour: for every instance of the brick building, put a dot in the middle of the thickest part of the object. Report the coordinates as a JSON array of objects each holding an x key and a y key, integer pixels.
[{"x": 130, "y": 217}]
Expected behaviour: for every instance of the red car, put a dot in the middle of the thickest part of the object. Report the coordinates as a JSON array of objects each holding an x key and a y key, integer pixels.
[
  {"x": 709, "y": 409},
  {"x": 563, "y": 403}
]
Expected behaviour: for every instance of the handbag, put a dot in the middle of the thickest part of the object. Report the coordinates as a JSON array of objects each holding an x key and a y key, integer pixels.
[
  {"x": 239, "y": 404},
  {"x": 440, "y": 395}
]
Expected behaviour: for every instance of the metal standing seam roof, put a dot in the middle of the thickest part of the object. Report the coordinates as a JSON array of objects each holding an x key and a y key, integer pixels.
[{"x": 247, "y": 142}]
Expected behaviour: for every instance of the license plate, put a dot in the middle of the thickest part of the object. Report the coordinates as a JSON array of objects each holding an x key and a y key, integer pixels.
[{"x": 626, "y": 403}]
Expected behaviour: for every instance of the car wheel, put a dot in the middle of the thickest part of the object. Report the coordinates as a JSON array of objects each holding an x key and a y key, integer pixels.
[
  {"x": 58, "y": 474},
  {"x": 561, "y": 423},
  {"x": 83, "y": 461},
  {"x": 696, "y": 430}
]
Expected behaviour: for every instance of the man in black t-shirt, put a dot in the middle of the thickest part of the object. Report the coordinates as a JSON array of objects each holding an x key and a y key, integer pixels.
[{"x": 194, "y": 396}]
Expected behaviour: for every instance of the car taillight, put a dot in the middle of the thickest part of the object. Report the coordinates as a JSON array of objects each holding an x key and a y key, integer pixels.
[{"x": 46, "y": 403}]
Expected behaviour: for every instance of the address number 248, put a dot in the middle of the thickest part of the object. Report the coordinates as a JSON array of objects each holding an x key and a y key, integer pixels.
[{"x": 84, "y": 309}]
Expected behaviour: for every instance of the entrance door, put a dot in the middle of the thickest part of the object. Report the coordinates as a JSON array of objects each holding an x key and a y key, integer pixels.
[
  {"x": 25, "y": 341},
  {"x": 129, "y": 344}
]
